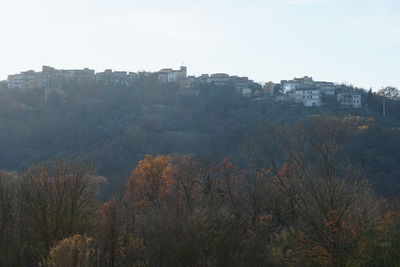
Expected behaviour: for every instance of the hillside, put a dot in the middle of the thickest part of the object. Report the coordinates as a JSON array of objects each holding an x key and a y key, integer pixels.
[{"x": 115, "y": 127}]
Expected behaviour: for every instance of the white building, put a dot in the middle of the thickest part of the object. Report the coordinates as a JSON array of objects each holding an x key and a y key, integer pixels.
[
  {"x": 170, "y": 75},
  {"x": 246, "y": 92},
  {"x": 309, "y": 98},
  {"x": 288, "y": 86},
  {"x": 297, "y": 83},
  {"x": 349, "y": 100},
  {"x": 327, "y": 88}
]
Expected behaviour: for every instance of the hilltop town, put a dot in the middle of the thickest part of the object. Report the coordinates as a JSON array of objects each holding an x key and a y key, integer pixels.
[{"x": 303, "y": 91}]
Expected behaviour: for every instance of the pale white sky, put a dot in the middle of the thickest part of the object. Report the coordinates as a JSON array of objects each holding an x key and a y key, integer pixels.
[{"x": 353, "y": 41}]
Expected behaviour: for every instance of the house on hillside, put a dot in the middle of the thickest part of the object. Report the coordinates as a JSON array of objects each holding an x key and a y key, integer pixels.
[
  {"x": 25, "y": 80},
  {"x": 53, "y": 77},
  {"x": 85, "y": 75},
  {"x": 288, "y": 86},
  {"x": 297, "y": 83},
  {"x": 326, "y": 88},
  {"x": 171, "y": 76},
  {"x": 202, "y": 80},
  {"x": 220, "y": 79},
  {"x": 241, "y": 83},
  {"x": 116, "y": 78},
  {"x": 186, "y": 83},
  {"x": 308, "y": 97},
  {"x": 247, "y": 92},
  {"x": 304, "y": 83},
  {"x": 349, "y": 100}
]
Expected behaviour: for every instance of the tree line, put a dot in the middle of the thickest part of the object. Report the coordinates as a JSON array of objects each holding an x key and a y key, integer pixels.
[
  {"x": 116, "y": 126},
  {"x": 293, "y": 199}
]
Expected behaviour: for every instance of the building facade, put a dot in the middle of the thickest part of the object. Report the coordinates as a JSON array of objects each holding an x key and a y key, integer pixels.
[
  {"x": 309, "y": 98},
  {"x": 349, "y": 100},
  {"x": 171, "y": 76},
  {"x": 25, "y": 80}
]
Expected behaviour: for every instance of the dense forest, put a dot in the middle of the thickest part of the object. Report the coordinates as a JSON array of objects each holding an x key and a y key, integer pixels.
[
  {"x": 150, "y": 176},
  {"x": 115, "y": 127}
]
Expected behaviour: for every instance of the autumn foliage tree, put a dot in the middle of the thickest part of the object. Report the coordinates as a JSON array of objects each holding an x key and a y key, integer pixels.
[
  {"x": 151, "y": 181},
  {"x": 291, "y": 199},
  {"x": 322, "y": 199},
  {"x": 75, "y": 251}
]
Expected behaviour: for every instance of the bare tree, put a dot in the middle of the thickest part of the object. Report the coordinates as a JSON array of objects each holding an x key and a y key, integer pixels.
[
  {"x": 389, "y": 92},
  {"x": 10, "y": 243},
  {"x": 59, "y": 200},
  {"x": 318, "y": 192}
]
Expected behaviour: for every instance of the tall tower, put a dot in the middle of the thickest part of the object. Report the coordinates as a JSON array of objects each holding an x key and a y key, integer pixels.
[{"x": 184, "y": 71}]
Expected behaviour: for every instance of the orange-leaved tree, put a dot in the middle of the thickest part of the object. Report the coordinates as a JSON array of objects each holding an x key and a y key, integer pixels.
[
  {"x": 151, "y": 181},
  {"x": 75, "y": 251}
]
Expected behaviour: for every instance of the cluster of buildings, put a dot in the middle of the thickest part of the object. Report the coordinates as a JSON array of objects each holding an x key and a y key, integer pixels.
[
  {"x": 171, "y": 76},
  {"x": 52, "y": 78},
  {"x": 312, "y": 93},
  {"x": 242, "y": 85},
  {"x": 304, "y": 90}
]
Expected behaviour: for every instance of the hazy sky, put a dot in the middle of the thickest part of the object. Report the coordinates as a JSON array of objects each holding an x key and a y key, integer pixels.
[{"x": 353, "y": 41}]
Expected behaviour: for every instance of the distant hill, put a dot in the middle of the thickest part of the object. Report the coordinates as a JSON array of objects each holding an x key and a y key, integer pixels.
[{"x": 114, "y": 127}]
